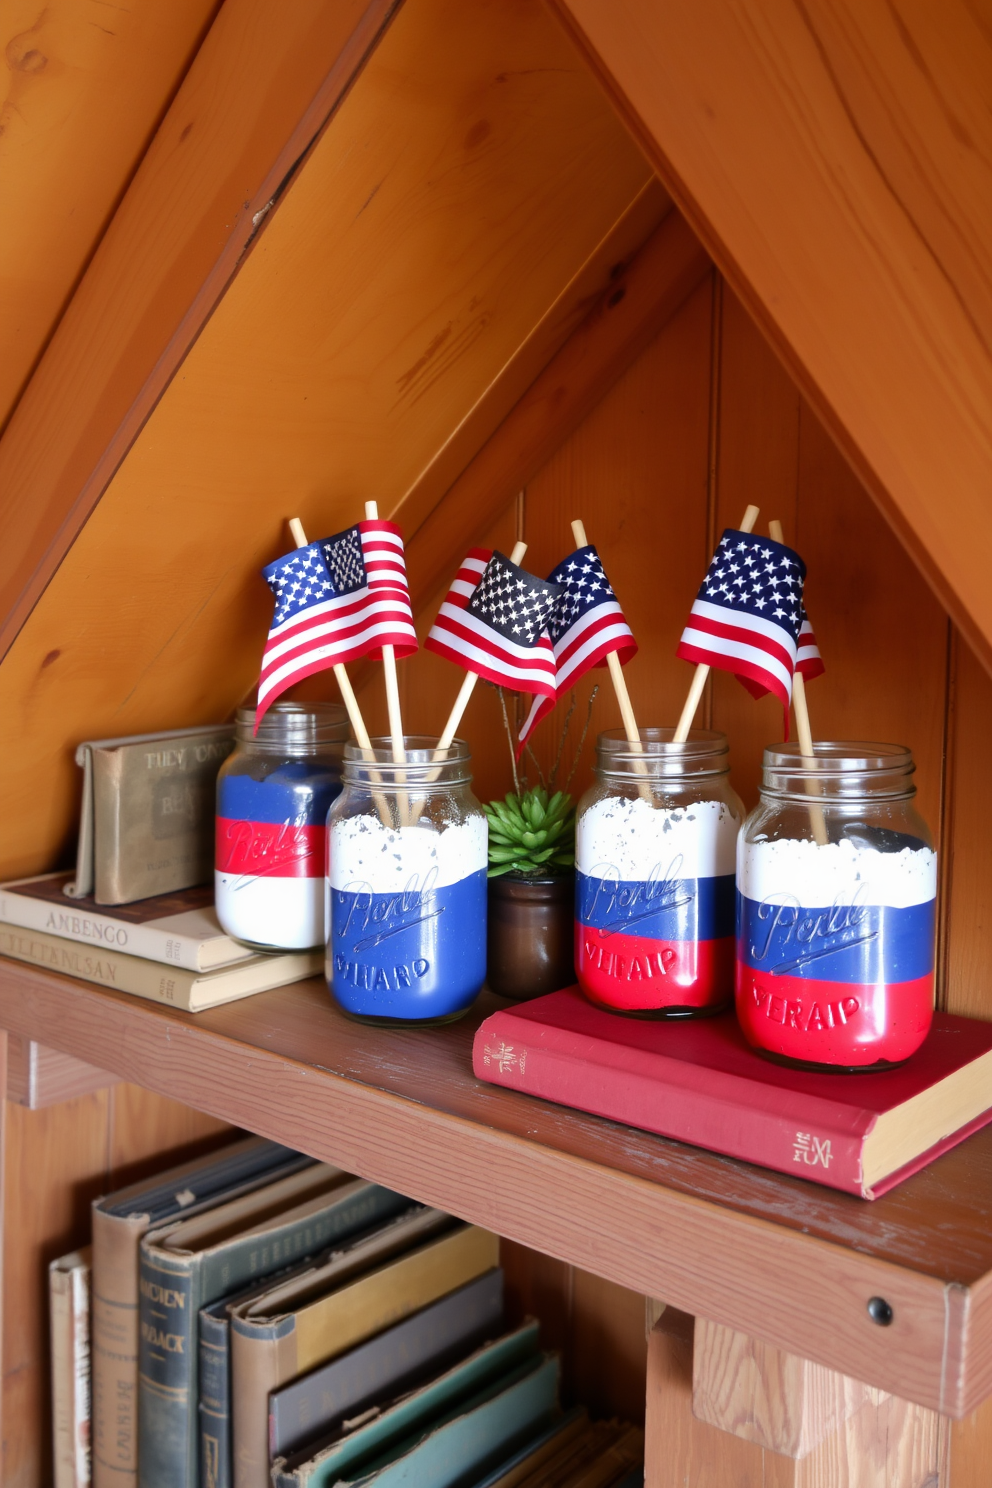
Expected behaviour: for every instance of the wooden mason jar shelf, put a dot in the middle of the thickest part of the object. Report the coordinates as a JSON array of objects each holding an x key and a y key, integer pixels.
[{"x": 776, "y": 1257}]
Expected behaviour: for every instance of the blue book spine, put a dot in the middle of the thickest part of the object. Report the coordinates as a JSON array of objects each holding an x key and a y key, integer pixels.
[
  {"x": 215, "y": 1399},
  {"x": 166, "y": 1344}
]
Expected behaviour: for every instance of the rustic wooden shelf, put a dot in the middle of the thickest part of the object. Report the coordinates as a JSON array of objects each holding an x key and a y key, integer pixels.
[{"x": 776, "y": 1257}]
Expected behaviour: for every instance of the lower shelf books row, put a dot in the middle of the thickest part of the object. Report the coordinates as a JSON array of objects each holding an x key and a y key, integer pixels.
[{"x": 258, "y": 1317}]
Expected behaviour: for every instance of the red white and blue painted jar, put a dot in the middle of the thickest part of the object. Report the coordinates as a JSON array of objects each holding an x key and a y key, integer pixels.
[
  {"x": 655, "y": 847},
  {"x": 836, "y": 909},
  {"x": 273, "y": 795},
  {"x": 407, "y": 853}
]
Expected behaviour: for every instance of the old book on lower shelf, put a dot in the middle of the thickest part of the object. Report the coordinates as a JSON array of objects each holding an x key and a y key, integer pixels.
[
  {"x": 119, "y": 1222},
  {"x": 69, "y": 1301},
  {"x": 192, "y": 991},
  {"x": 701, "y": 1083},
  {"x": 191, "y": 1263}
]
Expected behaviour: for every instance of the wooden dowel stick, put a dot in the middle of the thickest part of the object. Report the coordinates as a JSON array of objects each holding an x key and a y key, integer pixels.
[
  {"x": 619, "y": 681},
  {"x": 348, "y": 697},
  {"x": 702, "y": 670},
  {"x": 393, "y": 701},
  {"x": 803, "y": 729}
]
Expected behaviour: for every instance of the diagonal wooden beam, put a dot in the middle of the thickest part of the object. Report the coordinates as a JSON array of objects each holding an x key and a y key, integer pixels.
[
  {"x": 835, "y": 160},
  {"x": 260, "y": 91},
  {"x": 627, "y": 316}
]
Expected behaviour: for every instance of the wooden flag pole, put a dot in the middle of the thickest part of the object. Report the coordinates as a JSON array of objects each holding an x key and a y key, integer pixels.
[
  {"x": 348, "y": 697},
  {"x": 702, "y": 670},
  {"x": 803, "y": 729},
  {"x": 392, "y": 698},
  {"x": 467, "y": 687}
]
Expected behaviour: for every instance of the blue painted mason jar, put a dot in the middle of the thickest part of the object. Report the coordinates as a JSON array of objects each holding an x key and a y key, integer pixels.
[
  {"x": 407, "y": 851},
  {"x": 273, "y": 795}
]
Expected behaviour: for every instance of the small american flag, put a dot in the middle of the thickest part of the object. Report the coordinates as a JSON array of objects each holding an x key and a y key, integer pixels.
[
  {"x": 336, "y": 600},
  {"x": 493, "y": 622},
  {"x": 808, "y": 658},
  {"x": 586, "y": 626},
  {"x": 748, "y": 615}
]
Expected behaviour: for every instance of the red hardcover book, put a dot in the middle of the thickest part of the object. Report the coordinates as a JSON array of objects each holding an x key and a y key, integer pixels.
[{"x": 700, "y": 1082}]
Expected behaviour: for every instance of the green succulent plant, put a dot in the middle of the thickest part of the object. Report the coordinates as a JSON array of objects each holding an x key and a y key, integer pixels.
[{"x": 531, "y": 834}]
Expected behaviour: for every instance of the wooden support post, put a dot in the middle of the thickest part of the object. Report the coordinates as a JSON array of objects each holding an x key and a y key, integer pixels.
[
  {"x": 38, "y": 1076},
  {"x": 723, "y": 1408}
]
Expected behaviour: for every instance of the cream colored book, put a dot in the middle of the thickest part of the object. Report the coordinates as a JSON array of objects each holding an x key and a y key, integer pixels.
[
  {"x": 313, "y": 1318},
  {"x": 192, "y": 991},
  {"x": 69, "y": 1300}
]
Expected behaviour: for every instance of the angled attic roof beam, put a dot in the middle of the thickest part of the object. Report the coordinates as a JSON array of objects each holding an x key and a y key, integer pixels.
[
  {"x": 78, "y": 105},
  {"x": 837, "y": 162},
  {"x": 262, "y": 87}
]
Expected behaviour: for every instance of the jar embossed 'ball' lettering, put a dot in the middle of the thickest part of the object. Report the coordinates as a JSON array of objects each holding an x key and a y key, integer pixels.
[{"x": 836, "y": 909}]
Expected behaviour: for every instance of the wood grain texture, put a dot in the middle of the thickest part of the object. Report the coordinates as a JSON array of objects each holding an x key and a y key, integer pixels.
[
  {"x": 57, "y": 1161},
  {"x": 635, "y": 471},
  {"x": 258, "y": 93},
  {"x": 39, "y": 1076},
  {"x": 836, "y": 162},
  {"x": 631, "y": 312},
  {"x": 83, "y": 92},
  {"x": 768, "y": 1255},
  {"x": 888, "y": 1443},
  {"x": 763, "y": 1395},
  {"x": 882, "y": 633},
  {"x": 372, "y": 314},
  {"x": 597, "y": 1326},
  {"x": 967, "y": 908}
]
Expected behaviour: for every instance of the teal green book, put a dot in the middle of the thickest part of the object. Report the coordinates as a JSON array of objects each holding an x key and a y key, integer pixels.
[
  {"x": 402, "y": 1422},
  {"x": 191, "y": 1263},
  {"x": 470, "y": 1437}
]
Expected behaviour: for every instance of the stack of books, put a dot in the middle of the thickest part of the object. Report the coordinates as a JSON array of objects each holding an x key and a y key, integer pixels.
[
  {"x": 169, "y": 948},
  {"x": 262, "y": 1319}
]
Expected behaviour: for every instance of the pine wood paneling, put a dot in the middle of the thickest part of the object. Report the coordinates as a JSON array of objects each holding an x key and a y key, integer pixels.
[
  {"x": 635, "y": 471},
  {"x": 634, "y": 307},
  {"x": 84, "y": 87},
  {"x": 374, "y": 311},
  {"x": 836, "y": 159},
  {"x": 882, "y": 633},
  {"x": 967, "y": 864},
  {"x": 57, "y": 1160},
  {"x": 597, "y": 1326}
]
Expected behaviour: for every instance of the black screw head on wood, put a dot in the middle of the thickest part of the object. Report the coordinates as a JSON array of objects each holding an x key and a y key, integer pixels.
[{"x": 880, "y": 1311}]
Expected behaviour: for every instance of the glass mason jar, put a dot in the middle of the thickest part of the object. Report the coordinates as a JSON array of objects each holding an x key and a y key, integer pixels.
[
  {"x": 654, "y": 856},
  {"x": 836, "y": 909},
  {"x": 407, "y": 852},
  {"x": 273, "y": 795}
]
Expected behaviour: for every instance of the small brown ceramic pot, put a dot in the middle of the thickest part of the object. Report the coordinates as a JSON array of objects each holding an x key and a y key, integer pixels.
[{"x": 531, "y": 933}]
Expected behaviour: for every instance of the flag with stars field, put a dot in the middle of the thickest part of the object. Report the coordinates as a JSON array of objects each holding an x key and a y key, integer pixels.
[
  {"x": 587, "y": 624},
  {"x": 336, "y": 600},
  {"x": 494, "y": 622},
  {"x": 748, "y": 615}
]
